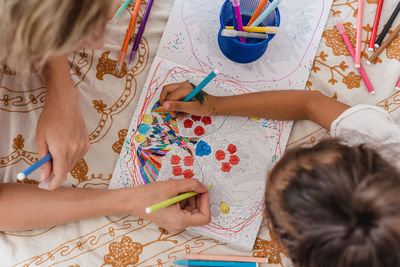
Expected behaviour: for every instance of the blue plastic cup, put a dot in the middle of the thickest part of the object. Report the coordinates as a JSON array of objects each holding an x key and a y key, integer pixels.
[{"x": 254, "y": 48}]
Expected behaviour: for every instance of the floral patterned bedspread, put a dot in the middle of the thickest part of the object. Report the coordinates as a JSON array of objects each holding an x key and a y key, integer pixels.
[{"x": 108, "y": 100}]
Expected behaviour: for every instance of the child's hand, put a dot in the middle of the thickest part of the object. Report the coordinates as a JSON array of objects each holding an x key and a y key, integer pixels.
[
  {"x": 194, "y": 211},
  {"x": 201, "y": 105}
]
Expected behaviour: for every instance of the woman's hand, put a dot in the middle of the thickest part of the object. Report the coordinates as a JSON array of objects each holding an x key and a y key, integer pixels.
[
  {"x": 195, "y": 211},
  {"x": 203, "y": 104},
  {"x": 61, "y": 129}
]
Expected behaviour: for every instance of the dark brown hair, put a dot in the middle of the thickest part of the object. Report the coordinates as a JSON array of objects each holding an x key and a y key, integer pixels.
[{"x": 334, "y": 205}]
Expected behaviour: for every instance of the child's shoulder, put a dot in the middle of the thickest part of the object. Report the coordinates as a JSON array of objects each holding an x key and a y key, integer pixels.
[{"x": 370, "y": 125}]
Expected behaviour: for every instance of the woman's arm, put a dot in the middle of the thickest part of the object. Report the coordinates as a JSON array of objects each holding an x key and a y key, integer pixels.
[
  {"x": 26, "y": 207},
  {"x": 277, "y": 105},
  {"x": 61, "y": 129}
]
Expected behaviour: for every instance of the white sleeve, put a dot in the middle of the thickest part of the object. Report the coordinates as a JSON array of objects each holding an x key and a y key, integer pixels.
[{"x": 366, "y": 124}]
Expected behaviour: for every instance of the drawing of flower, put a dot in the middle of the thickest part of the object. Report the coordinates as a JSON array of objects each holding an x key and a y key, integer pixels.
[
  {"x": 199, "y": 130},
  {"x": 123, "y": 253},
  {"x": 220, "y": 155},
  {"x": 188, "y": 123},
  {"x": 206, "y": 120},
  {"x": 393, "y": 50},
  {"x": 271, "y": 249},
  {"x": 352, "y": 80},
  {"x": 203, "y": 149}
]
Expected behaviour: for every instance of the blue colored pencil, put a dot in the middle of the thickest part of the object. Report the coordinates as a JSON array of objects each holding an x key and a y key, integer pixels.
[
  {"x": 265, "y": 14},
  {"x": 21, "y": 176},
  {"x": 215, "y": 263},
  {"x": 197, "y": 89},
  {"x": 122, "y": 9},
  {"x": 141, "y": 30}
]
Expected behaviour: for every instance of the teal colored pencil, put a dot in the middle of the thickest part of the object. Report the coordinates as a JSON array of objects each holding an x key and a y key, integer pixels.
[
  {"x": 265, "y": 14},
  {"x": 122, "y": 9},
  {"x": 171, "y": 201}
]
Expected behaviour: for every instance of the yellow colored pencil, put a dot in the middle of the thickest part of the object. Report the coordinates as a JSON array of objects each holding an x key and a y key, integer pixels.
[{"x": 270, "y": 29}]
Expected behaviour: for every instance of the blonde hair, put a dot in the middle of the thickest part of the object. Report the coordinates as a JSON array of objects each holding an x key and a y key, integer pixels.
[{"x": 31, "y": 31}]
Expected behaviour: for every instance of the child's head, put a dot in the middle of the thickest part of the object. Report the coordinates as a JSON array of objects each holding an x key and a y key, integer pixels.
[
  {"x": 334, "y": 205},
  {"x": 34, "y": 30}
]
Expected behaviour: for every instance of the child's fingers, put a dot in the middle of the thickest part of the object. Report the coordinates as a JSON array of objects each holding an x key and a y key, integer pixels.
[
  {"x": 169, "y": 89},
  {"x": 186, "y": 107}
]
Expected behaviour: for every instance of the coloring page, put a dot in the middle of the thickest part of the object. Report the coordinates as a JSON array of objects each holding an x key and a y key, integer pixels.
[
  {"x": 233, "y": 154},
  {"x": 190, "y": 38}
]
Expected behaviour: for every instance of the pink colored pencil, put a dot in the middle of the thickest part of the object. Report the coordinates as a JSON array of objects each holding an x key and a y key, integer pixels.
[
  {"x": 359, "y": 33},
  {"x": 225, "y": 258},
  {"x": 347, "y": 41},
  {"x": 376, "y": 25},
  {"x": 397, "y": 88}
]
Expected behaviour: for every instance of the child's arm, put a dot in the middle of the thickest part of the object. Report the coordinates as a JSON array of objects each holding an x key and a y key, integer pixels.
[
  {"x": 277, "y": 105},
  {"x": 26, "y": 207}
]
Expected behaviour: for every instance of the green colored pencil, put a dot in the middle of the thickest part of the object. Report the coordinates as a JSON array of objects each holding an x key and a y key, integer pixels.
[
  {"x": 122, "y": 9},
  {"x": 171, "y": 201}
]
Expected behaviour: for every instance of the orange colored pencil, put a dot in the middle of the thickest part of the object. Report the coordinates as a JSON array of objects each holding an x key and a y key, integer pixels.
[
  {"x": 129, "y": 31},
  {"x": 257, "y": 12}
]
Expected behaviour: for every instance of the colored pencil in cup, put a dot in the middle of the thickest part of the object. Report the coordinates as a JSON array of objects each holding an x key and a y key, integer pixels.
[
  {"x": 269, "y": 29},
  {"x": 397, "y": 88},
  {"x": 386, "y": 43},
  {"x": 214, "y": 263},
  {"x": 141, "y": 30},
  {"x": 265, "y": 14},
  {"x": 121, "y": 9},
  {"x": 258, "y": 11},
  {"x": 21, "y": 176},
  {"x": 128, "y": 34},
  {"x": 238, "y": 16},
  {"x": 171, "y": 201},
  {"x": 233, "y": 33},
  {"x": 206, "y": 257},
  {"x": 349, "y": 46},
  {"x": 387, "y": 26},
  {"x": 357, "y": 61},
  {"x": 376, "y": 25},
  {"x": 197, "y": 90}
]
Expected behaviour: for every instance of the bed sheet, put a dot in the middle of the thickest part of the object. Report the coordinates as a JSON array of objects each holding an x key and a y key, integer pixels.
[{"x": 108, "y": 99}]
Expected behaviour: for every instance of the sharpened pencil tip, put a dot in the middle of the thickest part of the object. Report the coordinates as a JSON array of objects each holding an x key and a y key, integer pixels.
[
  {"x": 357, "y": 66},
  {"x": 370, "y": 49},
  {"x": 376, "y": 46},
  {"x": 397, "y": 88},
  {"x": 148, "y": 210},
  {"x": 372, "y": 92},
  {"x": 369, "y": 63}
]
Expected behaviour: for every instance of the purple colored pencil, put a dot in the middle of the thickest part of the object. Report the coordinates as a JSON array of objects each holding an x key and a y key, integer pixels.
[
  {"x": 238, "y": 15},
  {"x": 141, "y": 30}
]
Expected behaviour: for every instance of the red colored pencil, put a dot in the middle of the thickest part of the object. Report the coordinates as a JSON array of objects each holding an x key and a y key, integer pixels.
[{"x": 376, "y": 25}]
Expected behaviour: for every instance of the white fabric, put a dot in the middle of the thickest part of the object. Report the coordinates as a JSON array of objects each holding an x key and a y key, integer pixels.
[{"x": 370, "y": 125}]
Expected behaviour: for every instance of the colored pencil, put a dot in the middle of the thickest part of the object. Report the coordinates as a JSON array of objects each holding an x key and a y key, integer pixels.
[
  {"x": 128, "y": 34},
  {"x": 171, "y": 201},
  {"x": 121, "y": 9},
  {"x": 387, "y": 26},
  {"x": 258, "y": 11},
  {"x": 197, "y": 89},
  {"x": 265, "y": 14},
  {"x": 397, "y": 88},
  {"x": 238, "y": 16},
  {"x": 141, "y": 30},
  {"x": 376, "y": 25},
  {"x": 349, "y": 46},
  {"x": 386, "y": 43},
  {"x": 214, "y": 263},
  {"x": 233, "y": 33},
  {"x": 225, "y": 258},
  {"x": 357, "y": 61},
  {"x": 269, "y": 29},
  {"x": 21, "y": 176}
]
